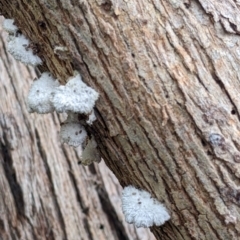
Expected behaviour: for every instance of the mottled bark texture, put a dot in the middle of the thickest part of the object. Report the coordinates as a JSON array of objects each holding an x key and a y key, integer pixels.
[
  {"x": 168, "y": 113},
  {"x": 44, "y": 193}
]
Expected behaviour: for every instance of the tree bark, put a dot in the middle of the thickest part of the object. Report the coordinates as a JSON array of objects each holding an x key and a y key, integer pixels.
[
  {"x": 44, "y": 193},
  {"x": 168, "y": 113}
]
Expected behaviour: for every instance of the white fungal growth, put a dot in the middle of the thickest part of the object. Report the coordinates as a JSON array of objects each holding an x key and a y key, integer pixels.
[
  {"x": 8, "y": 25},
  {"x": 73, "y": 133},
  {"x": 75, "y": 96},
  {"x": 141, "y": 209},
  {"x": 18, "y": 46},
  {"x": 39, "y": 96}
]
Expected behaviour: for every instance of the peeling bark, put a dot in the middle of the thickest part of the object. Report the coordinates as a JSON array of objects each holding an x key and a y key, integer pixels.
[{"x": 168, "y": 115}]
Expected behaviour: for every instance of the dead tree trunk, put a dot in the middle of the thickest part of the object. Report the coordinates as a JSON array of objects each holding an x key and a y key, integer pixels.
[
  {"x": 44, "y": 193},
  {"x": 169, "y": 111}
]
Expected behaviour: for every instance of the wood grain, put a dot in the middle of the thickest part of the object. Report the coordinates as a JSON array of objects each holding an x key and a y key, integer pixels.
[{"x": 168, "y": 115}]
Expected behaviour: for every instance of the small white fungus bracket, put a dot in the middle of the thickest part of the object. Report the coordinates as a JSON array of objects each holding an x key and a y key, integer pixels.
[
  {"x": 39, "y": 96},
  {"x": 8, "y": 25},
  {"x": 18, "y": 47},
  {"x": 75, "y": 97},
  {"x": 73, "y": 133},
  {"x": 141, "y": 209}
]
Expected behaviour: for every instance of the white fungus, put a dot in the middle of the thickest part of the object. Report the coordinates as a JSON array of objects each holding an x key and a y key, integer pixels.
[
  {"x": 75, "y": 96},
  {"x": 8, "y": 25},
  {"x": 141, "y": 209},
  {"x": 18, "y": 46},
  {"x": 73, "y": 133},
  {"x": 39, "y": 95}
]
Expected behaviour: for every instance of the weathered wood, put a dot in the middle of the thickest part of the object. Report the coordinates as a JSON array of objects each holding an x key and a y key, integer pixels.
[
  {"x": 168, "y": 115},
  {"x": 44, "y": 193}
]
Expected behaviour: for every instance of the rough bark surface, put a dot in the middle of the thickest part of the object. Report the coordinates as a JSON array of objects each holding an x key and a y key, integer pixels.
[
  {"x": 44, "y": 193},
  {"x": 168, "y": 115}
]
